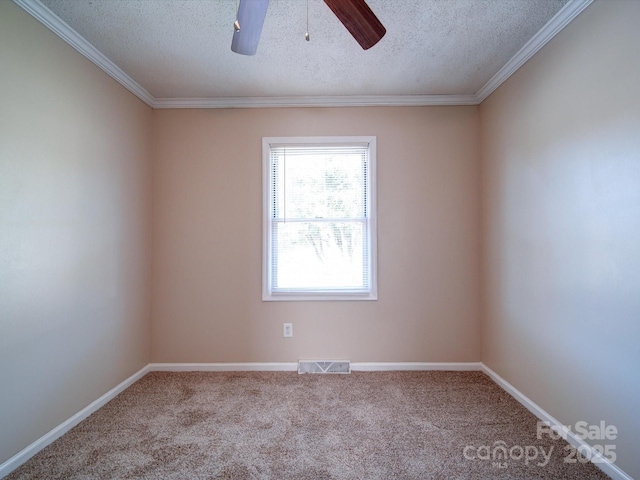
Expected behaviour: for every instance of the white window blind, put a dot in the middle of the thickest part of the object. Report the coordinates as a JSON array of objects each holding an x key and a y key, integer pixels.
[{"x": 320, "y": 219}]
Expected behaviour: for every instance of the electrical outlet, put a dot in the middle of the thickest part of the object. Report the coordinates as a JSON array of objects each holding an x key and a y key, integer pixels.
[{"x": 288, "y": 329}]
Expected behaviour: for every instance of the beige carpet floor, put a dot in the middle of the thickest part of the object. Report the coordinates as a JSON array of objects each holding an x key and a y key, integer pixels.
[{"x": 281, "y": 425}]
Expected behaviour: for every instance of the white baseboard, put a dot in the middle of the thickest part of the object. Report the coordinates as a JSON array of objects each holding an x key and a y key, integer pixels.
[
  {"x": 599, "y": 461},
  {"x": 14, "y": 462},
  {"x": 293, "y": 367},
  {"x": 19, "y": 458},
  {"x": 224, "y": 367},
  {"x": 404, "y": 366},
  {"x": 24, "y": 455}
]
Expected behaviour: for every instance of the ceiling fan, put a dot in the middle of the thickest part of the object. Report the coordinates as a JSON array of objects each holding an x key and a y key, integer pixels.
[{"x": 355, "y": 15}]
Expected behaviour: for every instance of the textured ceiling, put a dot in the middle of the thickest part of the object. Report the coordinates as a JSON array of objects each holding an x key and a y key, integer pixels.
[{"x": 181, "y": 48}]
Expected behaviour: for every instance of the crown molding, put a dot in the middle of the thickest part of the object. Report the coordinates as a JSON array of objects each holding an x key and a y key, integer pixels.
[
  {"x": 318, "y": 101},
  {"x": 560, "y": 20},
  {"x": 566, "y": 14},
  {"x": 73, "y": 38}
]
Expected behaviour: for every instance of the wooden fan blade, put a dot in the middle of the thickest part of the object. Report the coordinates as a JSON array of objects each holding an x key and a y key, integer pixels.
[
  {"x": 251, "y": 15},
  {"x": 361, "y": 22}
]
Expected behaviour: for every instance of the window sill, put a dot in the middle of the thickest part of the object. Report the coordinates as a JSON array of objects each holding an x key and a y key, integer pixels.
[{"x": 320, "y": 297}]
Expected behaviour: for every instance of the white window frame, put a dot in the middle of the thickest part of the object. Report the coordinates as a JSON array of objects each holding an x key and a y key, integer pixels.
[{"x": 310, "y": 295}]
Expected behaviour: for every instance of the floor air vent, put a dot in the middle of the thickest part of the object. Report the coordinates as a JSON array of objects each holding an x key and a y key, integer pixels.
[{"x": 323, "y": 366}]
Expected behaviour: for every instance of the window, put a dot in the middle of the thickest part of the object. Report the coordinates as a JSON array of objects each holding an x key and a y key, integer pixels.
[{"x": 319, "y": 239}]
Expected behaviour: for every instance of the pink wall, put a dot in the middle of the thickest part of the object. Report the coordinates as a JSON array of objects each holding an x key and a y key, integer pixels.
[
  {"x": 561, "y": 167},
  {"x": 95, "y": 284},
  {"x": 75, "y": 209},
  {"x": 207, "y": 232}
]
